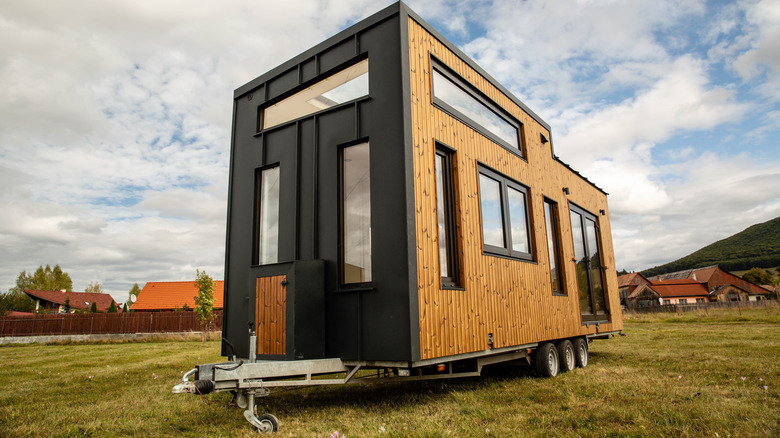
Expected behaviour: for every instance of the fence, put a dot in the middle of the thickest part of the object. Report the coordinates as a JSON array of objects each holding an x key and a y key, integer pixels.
[
  {"x": 103, "y": 323},
  {"x": 676, "y": 308}
]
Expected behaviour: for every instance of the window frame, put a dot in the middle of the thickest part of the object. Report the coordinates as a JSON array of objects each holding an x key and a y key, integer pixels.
[
  {"x": 257, "y": 213},
  {"x": 452, "y": 281},
  {"x": 553, "y": 234},
  {"x": 341, "y": 221},
  {"x": 505, "y": 183},
  {"x": 261, "y": 108},
  {"x": 449, "y": 74}
]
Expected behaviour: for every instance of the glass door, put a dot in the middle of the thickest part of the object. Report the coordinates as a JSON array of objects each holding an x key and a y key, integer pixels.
[{"x": 588, "y": 266}]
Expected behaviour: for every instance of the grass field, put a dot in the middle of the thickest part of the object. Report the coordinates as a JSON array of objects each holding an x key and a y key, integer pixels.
[{"x": 687, "y": 375}]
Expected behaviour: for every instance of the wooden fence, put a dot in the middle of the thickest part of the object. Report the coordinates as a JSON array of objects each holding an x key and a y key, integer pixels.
[
  {"x": 102, "y": 323},
  {"x": 677, "y": 308}
]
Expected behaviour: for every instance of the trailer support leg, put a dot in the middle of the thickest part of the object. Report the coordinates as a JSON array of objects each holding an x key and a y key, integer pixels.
[{"x": 266, "y": 423}]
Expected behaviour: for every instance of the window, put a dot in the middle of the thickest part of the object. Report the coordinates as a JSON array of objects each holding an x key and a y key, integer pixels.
[
  {"x": 682, "y": 301},
  {"x": 355, "y": 206},
  {"x": 348, "y": 84},
  {"x": 445, "y": 204},
  {"x": 267, "y": 229},
  {"x": 457, "y": 97},
  {"x": 699, "y": 300},
  {"x": 667, "y": 302},
  {"x": 553, "y": 245},
  {"x": 504, "y": 209}
]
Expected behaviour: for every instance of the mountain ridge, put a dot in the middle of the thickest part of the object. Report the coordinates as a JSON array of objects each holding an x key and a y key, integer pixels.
[{"x": 757, "y": 246}]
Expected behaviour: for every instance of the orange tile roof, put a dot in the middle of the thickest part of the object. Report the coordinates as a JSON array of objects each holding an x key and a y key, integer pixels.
[
  {"x": 170, "y": 295},
  {"x": 78, "y": 300},
  {"x": 628, "y": 279}
]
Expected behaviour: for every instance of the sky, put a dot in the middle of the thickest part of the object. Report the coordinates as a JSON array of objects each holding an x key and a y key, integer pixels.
[{"x": 115, "y": 117}]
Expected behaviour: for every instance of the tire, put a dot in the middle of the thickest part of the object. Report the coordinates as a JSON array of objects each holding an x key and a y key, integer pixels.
[
  {"x": 547, "y": 360},
  {"x": 581, "y": 352},
  {"x": 566, "y": 355},
  {"x": 269, "y": 423}
]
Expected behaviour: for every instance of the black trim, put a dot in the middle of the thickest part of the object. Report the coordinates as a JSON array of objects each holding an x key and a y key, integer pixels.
[
  {"x": 471, "y": 90},
  {"x": 453, "y": 281},
  {"x": 555, "y": 225},
  {"x": 504, "y": 184},
  {"x": 596, "y": 317}
]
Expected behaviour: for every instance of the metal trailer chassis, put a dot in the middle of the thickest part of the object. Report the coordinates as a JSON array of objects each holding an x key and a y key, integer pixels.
[{"x": 248, "y": 379}]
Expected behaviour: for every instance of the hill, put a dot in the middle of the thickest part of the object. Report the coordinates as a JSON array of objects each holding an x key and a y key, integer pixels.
[{"x": 757, "y": 246}]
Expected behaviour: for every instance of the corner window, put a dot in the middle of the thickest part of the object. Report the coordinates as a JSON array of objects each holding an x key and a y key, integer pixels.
[
  {"x": 553, "y": 245},
  {"x": 505, "y": 218},
  {"x": 459, "y": 98},
  {"x": 355, "y": 206},
  {"x": 267, "y": 216},
  {"x": 348, "y": 84},
  {"x": 445, "y": 205}
]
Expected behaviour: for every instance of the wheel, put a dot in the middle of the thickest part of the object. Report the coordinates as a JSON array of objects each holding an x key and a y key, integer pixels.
[
  {"x": 268, "y": 423},
  {"x": 547, "y": 360},
  {"x": 581, "y": 352},
  {"x": 566, "y": 355}
]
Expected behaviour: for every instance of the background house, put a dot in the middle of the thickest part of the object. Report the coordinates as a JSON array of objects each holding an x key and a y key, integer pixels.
[
  {"x": 173, "y": 295},
  {"x": 54, "y": 300},
  {"x": 637, "y": 291},
  {"x": 715, "y": 278}
]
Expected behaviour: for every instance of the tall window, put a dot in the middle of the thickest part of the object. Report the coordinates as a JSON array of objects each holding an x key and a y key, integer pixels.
[
  {"x": 505, "y": 219},
  {"x": 459, "y": 98},
  {"x": 445, "y": 205},
  {"x": 355, "y": 214},
  {"x": 348, "y": 84},
  {"x": 267, "y": 229},
  {"x": 553, "y": 245}
]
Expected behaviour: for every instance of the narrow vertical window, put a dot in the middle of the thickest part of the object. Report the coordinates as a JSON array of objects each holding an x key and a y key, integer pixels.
[
  {"x": 492, "y": 213},
  {"x": 445, "y": 204},
  {"x": 356, "y": 214},
  {"x": 553, "y": 246},
  {"x": 268, "y": 217},
  {"x": 518, "y": 220}
]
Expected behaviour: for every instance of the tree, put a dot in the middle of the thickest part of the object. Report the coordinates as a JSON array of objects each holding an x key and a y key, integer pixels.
[
  {"x": 204, "y": 300},
  {"x": 42, "y": 279},
  {"x": 94, "y": 288},
  {"x": 758, "y": 276},
  {"x": 14, "y": 301},
  {"x": 112, "y": 308},
  {"x": 124, "y": 308},
  {"x": 93, "y": 307},
  {"x": 135, "y": 290},
  {"x": 66, "y": 307}
]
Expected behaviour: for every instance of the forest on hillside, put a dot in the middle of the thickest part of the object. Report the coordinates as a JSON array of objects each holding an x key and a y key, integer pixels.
[{"x": 757, "y": 246}]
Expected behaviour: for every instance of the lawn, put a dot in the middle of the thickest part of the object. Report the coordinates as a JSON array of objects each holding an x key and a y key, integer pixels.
[{"x": 687, "y": 375}]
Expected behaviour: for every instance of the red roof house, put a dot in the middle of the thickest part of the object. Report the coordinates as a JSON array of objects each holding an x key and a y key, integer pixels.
[
  {"x": 681, "y": 291},
  {"x": 172, "y": 295},
  {"x": 54, "y": 300},
  {"x": 716, "y": 280}
]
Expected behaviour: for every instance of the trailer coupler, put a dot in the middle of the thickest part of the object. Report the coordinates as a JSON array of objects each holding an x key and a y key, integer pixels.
[{"x": 201, "y": 387}]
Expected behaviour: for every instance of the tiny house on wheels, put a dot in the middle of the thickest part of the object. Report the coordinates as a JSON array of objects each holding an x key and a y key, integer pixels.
[{"x": 392, "y": 206}]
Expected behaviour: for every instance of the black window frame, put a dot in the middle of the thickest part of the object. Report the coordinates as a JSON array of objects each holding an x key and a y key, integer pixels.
[
  {"x": 343, "y": 285},
  {"x": 555, "y": 225},
  {"x": 505, "y": 183},
  {"x": 450, "y": 216},
  {"x": 256, "y": 221},
  {"x": 480, "y": 97}
]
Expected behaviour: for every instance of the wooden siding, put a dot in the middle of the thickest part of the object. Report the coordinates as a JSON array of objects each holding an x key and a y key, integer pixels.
[
  {"x": 509, "y": 298},
  {"x": 271, "y": 315}
]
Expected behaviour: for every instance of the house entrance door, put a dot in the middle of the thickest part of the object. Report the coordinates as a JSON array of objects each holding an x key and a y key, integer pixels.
[{"x": 588, "y": 266}]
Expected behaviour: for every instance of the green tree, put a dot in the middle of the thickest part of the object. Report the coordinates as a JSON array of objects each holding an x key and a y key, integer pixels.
[
  {"x": 124, "y": 308},
  {"x": 94, "y": 288},
  {"x": 66, "y": 307},
  {"x": 15, "y": 301},
  {"x": 758, "y": 276},
  {"x": 204, "y": 300},
  {"x": 135, "y": 290},
  {"x": 47, "y": 278},
  {"x": 93, "y": 307},
  {"x": 112, "y": 308}
]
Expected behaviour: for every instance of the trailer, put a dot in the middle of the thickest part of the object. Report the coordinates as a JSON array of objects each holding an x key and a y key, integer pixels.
[{"x": 393, "y": 208}]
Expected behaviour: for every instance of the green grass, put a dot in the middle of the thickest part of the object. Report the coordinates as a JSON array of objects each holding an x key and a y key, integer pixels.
[{"x": 670, "y": 376}]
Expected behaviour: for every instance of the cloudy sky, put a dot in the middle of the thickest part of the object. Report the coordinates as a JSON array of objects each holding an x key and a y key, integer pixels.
[{"x": 115, "y": 117}]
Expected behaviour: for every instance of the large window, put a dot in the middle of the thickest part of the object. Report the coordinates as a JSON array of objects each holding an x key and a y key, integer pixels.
[
  {"x": 553, "y": 245},
  {"x": 505, "y": 218},
  {"x": 267, "y": 214},
  {"x": 355, "y": 214},
  {"x": 456, "y": 96},
  {"x": 445, "y": 205},
  {"x": 348, "y": 84}
]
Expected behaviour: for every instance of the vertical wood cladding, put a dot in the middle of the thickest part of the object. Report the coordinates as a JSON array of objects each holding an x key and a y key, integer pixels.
[
  {"x": 271, "y": 315},
  {"x": 509, "y": 298}
]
